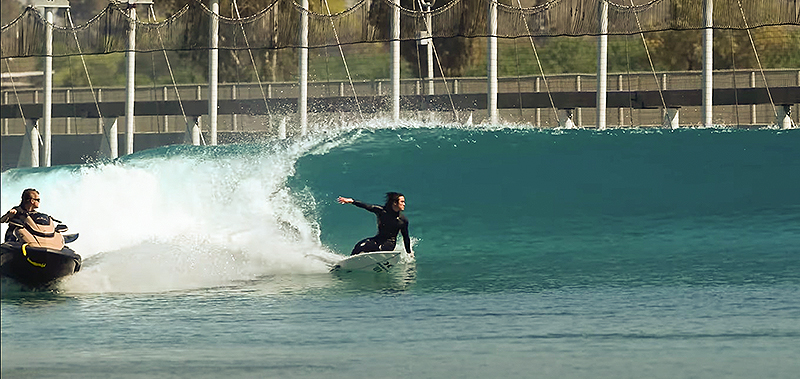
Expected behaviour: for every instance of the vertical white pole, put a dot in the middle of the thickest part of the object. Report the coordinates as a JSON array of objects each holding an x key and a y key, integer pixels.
[
  {"x": 213, "y": 71},
  {"x": 29, "y": 154},
  {"x": 602, "y": 66},
  {"x": 5, "y": 120},
  {"x": 538, "y": 88},
  {"x": 708, "y": 62},
  {"x": 234, "y": 119},
  {"x": 395, "y": 48},
  {"x": 100, "y": 121},
  {"x": 784, "y": 119},
  {"x": 130, "y": 89},
  {"x": 753, "y": 117},
  {"x": 165, "y": 95},
  {"x": 491, "y": 102},
  {"x": 47, "y": 110},
  {"x": 302, "y": 99},
  {"x": 621, "y": 111},
  {"x": 68, "y": 100},
  {"x": 109, "y": 147},
  {"x": 193, "y": 130},
  {"x": 429, "y": 48},
  {"x": 578, "y": 111}
]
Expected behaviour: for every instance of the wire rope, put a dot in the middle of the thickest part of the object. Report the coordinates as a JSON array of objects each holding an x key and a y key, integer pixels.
[
  {"x": 538, "y": 62},
  {"x": 252, "y": 59},
  {"x": 344, "y": 60}
]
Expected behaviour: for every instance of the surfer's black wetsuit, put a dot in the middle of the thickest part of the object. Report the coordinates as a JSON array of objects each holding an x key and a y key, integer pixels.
[{"x": 389, "y": 223}]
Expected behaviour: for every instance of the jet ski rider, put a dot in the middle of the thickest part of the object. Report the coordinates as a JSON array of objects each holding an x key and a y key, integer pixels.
[
  {"x": 390, "y": 222},
  {"x": 30, "y": 201}
]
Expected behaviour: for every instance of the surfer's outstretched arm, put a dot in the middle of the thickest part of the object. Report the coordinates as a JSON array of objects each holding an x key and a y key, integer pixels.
[{"x": 370, "y": 207}]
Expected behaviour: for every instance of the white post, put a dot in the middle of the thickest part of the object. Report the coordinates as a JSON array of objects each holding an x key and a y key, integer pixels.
[
  {"x": 671, "y": 118},
  {"x": 602, "y": 66},
  {"x": 5, "y": 120},
  {"x": 68, "y": 100},
  {"x": 109, "y": 146},
  {"x": 47, "y": 110},
  {"x": 753, "y": 117},
  {"x": 100, "y": 121},
  {"x": 193, "y": 130},
  {"x": 708, "y": 62},
  {"x": 29, "y": 154},
  {"x": 213, "y": 72},
  {"x": 165, "y": 95},
  {"x": 395, "y": 48},
  {"x": 234, "y": 119},
  {"x": 429, "y": 47},
  {"x": 302, "y": 99},
  {"x": 621, "y": 110},
  {"x": 538, "y": 88},
  {"x": 130, "y": 86},
  {"x": 784, "y": 119},
  {"x": 565, "y": 119},
  {"x": 491, "y": 48},
  {"x": 578, "y": 111}
]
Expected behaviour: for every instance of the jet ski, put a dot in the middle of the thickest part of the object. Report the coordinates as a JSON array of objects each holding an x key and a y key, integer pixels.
[{"x": 39, "y": 256}]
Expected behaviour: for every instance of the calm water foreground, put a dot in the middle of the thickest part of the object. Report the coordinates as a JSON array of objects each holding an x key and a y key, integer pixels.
[{"x": 540, "y": 254}]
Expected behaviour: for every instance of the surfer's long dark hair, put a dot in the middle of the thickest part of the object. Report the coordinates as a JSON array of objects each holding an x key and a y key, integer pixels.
[{"x": 391, "y": 199}]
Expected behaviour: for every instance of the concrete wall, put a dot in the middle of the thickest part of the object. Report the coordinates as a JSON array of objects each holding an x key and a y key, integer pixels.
[{"x": 81, "y": 148}]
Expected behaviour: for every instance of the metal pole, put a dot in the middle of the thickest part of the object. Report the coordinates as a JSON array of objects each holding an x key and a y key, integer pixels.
[
  {"x": 429, "y": 47},
  {"x": 578, "y": 111},
  {"x": 68, "y": 100},
  {"x": 234, "y": 119},
  {"x": 538, "y": 88},
  {"x": 708, "y": 62},
  {"x": 29, "y": 154},
  {"x": 302, "y": 99},
  {"x": 621, "y": 110},
  {"x": 130, "y": 85},
  {"x": 395, "y": 48},
  {"x": 602, "y": 66},
  {"x": 165, "y": 95},
  {"x": 47, "y": 110},
  {"x": 213, "y": 72},
  {"x": 491, "y": 63},
  {"x": 753, "y": 106}
]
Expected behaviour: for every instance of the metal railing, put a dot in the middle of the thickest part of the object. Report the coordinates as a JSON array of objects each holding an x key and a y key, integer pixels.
[{"x": 640, "y": 81}]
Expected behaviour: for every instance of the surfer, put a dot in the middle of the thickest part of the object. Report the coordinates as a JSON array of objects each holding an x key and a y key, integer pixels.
[
  {"x": 30, "y": 201},
  {"x": 391, "y": 220}
]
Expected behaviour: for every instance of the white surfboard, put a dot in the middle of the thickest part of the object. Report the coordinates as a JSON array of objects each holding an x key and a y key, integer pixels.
[{"x": 378, "y": 261}]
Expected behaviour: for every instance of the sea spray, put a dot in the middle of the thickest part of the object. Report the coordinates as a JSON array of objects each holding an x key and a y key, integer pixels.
[{"x": 181, "y": 216}]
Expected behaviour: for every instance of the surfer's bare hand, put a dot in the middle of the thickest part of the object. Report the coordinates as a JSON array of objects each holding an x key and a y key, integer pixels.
[{"x": 345, "y": 200}]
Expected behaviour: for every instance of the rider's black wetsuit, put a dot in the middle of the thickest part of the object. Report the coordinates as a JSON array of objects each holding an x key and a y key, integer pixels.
[
  {"x": 389, "y": 223},
  {"x": 18, "y": 218}
]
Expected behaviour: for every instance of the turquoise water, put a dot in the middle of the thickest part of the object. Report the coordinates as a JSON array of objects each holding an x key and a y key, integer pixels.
[{"x": 539, "y": 253}]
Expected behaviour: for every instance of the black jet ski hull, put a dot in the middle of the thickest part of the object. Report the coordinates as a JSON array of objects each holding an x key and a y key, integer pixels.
[{"x": 36, "y": 266}]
